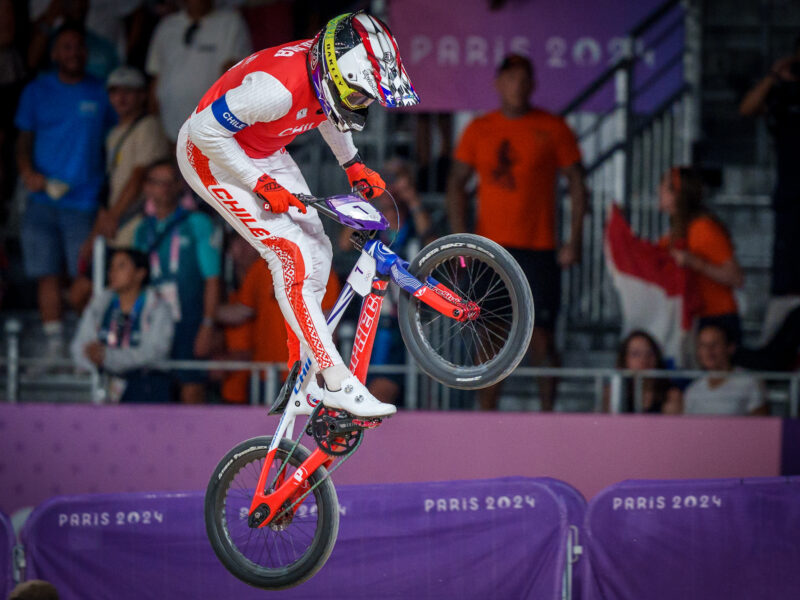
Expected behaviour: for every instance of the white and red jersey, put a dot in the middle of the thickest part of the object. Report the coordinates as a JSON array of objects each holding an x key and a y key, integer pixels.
[{"x": 257, "y": 107}]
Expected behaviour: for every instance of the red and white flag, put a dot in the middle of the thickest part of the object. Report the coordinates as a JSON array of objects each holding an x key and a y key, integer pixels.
[{"x": 654, "y": 292}]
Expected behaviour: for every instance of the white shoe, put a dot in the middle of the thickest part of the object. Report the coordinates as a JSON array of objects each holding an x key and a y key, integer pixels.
[
  {"x": 314, "y": 390},
  {"x": 356, "y": 399}
]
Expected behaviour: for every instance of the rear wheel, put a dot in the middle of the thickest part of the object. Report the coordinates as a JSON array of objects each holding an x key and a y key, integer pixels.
[
  {"x": 287, "y": 551},
  {"x": 476, "y": 353}
]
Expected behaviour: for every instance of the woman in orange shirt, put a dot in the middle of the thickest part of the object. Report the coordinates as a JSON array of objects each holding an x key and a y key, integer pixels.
[{"x": 699, "y": 241}]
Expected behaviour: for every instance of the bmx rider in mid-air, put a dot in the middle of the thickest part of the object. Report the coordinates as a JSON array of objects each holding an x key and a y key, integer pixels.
[{"x": 232, "y": 153}]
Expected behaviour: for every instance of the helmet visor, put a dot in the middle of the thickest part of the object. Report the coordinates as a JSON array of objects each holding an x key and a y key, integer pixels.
[{"x": 355, "y": 100}]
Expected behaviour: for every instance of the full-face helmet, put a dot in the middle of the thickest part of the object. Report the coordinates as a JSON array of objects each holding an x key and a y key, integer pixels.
[{"x": 353, "y": 61}]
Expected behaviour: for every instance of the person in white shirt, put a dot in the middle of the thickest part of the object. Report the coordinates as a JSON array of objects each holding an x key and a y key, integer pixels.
[
  {"x": 738, "y": 394},
  {"x": 190, "y": 49}
]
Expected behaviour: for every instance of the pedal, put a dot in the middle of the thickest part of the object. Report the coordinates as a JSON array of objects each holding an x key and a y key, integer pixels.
[
  {"x": 337, "y": 432},
  {"x": 286, "y": 391},
  {"x": 367, "y": 423}
]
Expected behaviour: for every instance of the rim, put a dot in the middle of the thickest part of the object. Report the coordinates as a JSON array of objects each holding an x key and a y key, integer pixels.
[
  {"x": 272, "y": 547},
  {"x": 471, "y": 344}
]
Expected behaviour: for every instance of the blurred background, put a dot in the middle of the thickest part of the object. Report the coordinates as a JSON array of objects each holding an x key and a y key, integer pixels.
[
  {"x": 643, "y": 86},
  {"x": 661, "y": 169}
]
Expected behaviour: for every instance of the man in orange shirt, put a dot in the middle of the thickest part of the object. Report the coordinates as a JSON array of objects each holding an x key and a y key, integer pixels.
[{"x": 518, "y": 152}]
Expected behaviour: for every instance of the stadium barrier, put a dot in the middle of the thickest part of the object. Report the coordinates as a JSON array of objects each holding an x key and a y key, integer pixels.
[
  {"x": 576, "y": 512},
  {"x": 723, "y": 538},
  {"x": 782, "y": 394},
  {"x": 499, "y": 538},
  {"x": 7, "y": 543}
]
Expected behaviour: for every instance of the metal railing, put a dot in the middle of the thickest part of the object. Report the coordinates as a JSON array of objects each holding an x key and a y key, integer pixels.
[
  {"x": 65, "y": 374},
  {"x": 783, "y": 395},
  {"x": 633, "y": 122}
]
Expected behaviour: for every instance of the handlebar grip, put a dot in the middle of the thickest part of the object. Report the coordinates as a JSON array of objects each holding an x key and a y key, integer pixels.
[{"x": 306, "y": 199}]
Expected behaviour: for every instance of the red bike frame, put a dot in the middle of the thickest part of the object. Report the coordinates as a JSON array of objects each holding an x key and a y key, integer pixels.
[{"x": 286, "y": 491}]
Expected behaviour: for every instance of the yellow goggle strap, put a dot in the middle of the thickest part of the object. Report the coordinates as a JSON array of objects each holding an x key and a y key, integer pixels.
[{"x": 329, "y": 50}]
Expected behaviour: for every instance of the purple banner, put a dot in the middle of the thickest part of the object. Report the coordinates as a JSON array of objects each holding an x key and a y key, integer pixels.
[
  {"x": 7, "y": 542},
  {"x": 451, "y": 49},
  {"x": 503, "y": 538},
  {"x": 728, "y": 538},
  {"x": 572, "y": 498}
]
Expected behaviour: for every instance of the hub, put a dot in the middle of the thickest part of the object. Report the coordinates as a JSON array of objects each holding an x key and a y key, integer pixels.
[{"x": 258, "y": 516}]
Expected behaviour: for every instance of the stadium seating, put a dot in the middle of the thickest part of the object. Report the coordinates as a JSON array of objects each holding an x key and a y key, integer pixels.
[{"x": 722, "y": 538}]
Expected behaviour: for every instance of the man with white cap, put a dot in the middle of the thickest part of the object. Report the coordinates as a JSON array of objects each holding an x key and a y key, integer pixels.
[{"x": 134, "y": 143}]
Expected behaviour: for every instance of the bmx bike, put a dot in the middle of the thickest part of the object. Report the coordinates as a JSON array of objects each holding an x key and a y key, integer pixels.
[{"x": 466, "y": 316}]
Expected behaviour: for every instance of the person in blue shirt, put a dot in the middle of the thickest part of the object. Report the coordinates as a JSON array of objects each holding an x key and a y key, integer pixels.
[
  {"x": 63, "y": 117},
  {"x": 185, "y": 261}
]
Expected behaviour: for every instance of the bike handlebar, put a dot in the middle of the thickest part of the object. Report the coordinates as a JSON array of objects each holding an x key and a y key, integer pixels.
[
  {"x": 327, "y": 206},
  {"x": 308, "y": 199},
  {"x": 318, "y": 203}
]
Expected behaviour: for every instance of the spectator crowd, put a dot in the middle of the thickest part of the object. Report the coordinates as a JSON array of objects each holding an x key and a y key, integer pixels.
[{"x": 94, "y": 93}]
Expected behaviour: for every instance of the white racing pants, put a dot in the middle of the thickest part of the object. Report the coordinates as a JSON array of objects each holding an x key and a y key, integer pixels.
[{"x": 294, "y": 244}]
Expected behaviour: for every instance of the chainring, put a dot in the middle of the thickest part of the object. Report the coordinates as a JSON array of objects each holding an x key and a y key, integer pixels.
[{"x": 337, "y": 432}]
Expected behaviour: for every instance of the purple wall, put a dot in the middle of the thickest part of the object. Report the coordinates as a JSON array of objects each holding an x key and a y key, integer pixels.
[{"x": 48, "y": 450}]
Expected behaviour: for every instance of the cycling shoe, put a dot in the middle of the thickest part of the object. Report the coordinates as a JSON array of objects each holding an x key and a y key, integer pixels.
[{"x": 355, "y": 399}]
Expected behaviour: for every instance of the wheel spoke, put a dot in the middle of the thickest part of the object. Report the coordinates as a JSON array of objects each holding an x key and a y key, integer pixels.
[
  {"x": 490, "y": 332},
  {"x": 478, "y": 277},
  {"x": 505, "y": 317},
  {"x": 455, "y": 328},
  {"x": 491, "y": 288},
  {"x": 480, "y": 342}
]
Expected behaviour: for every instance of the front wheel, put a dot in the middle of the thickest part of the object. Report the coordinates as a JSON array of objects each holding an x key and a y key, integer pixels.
[
  {"x": 287, "y": 551},
  {"x": 476, "y": 353}
]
